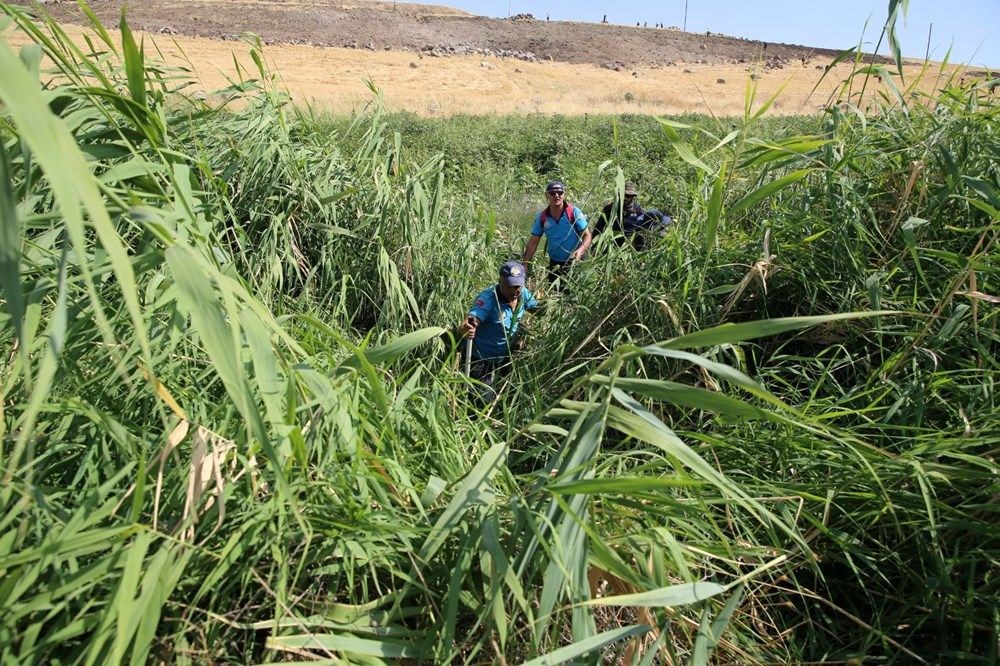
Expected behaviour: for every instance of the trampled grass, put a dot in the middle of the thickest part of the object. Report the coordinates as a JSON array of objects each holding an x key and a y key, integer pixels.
[{"x": 233, "y": 430}]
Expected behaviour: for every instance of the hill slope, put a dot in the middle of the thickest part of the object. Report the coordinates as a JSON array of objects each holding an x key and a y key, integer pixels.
[
  {"x": 433, "y": 60},
  {"x": 440, "y": 30}
]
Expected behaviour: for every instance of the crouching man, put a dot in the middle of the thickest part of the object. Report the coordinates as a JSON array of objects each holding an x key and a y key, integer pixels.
[
  {"x": 632, "y": 222},
  {"x": 492, "y": 324}
]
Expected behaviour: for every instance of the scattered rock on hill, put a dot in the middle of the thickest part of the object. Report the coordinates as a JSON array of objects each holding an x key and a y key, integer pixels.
[
  {"x": 439, "y": 31},
  {"x": 444, "y": 50}
]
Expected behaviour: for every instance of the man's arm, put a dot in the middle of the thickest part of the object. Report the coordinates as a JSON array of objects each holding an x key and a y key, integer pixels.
[
  {"x": 477, "y": 314},
  {"x": 651, "y": 217},
  {"x": 529, "y": 249},
  {"x": 582, "y": 250},
  {"x": 530, "y": 302}
]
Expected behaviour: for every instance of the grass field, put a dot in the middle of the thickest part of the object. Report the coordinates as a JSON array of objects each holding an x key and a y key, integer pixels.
[{"x": 233, "y": 428}]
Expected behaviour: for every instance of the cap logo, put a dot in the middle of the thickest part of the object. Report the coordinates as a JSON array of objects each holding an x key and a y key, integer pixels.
[
  {"x": 515, "y": 271},
  {"x": 480, "y": 302}
]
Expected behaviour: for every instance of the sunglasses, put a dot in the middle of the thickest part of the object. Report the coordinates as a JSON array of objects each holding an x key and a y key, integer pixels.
[{"x": 555, "y": 194}]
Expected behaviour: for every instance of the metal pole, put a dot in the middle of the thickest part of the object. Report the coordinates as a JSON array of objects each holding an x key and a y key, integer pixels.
[
  {"x": 685, "y": 15},
  {"x": 468, "y": 357}
]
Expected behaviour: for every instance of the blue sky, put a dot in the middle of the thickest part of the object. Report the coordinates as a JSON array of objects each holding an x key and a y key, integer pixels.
[{"x": 968, "y": 27}]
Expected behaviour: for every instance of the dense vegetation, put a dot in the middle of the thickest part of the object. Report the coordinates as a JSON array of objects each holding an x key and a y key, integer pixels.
[{"x": 232, "y": 430}]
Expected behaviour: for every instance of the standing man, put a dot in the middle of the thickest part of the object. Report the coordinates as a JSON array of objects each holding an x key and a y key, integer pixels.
[
  {"x": 565, "y": 229},
  {"x": 630, "y": 219},
  {"x": 492, "y": 324}
]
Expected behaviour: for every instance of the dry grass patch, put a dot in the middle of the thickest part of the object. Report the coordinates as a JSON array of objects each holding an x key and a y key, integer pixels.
[{"x": 334, "y": 79}]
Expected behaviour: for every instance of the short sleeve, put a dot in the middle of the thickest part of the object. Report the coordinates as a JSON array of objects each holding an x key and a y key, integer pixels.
[
  {"x": 481, "y": 307},
  {"x": 580, "y": 220},
  {"x": 536, "y": 228},
  {"x": 530, "y": 302}
]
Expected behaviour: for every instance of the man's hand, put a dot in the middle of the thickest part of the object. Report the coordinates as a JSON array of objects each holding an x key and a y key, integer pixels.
[
  {"x": 468, "y": 327},
  {"x": 529, "y": 250}
]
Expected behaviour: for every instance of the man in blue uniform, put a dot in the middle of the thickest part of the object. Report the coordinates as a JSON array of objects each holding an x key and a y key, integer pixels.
[
  {"x": 565, "y": 230},
  {"x": 492, "y": 324},
  {"x": 632, "y": 222}
]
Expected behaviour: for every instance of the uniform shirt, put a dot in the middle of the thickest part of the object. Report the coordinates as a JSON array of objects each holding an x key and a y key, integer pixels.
[
  {"x": 636, "y": 219},
  {"x": 498, "y": 322},
  {"x": 563, "y": 236}
]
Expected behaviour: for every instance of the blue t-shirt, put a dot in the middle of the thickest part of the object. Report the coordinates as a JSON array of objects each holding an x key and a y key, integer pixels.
[
  {"x": 563, "y": 236},
  {"x": 498, "y": 322}
]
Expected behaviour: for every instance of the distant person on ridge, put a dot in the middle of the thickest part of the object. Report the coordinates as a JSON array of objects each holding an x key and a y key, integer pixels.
[
  {"x": 492, "y": 325},
  {"x": 565, "y": 229},
  {"x": 628, "y": 218}
]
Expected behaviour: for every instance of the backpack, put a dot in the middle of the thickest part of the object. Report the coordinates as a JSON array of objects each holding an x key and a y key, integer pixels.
[{"x": 570, "y": 214}]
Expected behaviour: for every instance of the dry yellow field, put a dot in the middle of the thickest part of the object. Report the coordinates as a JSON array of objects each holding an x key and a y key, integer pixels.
[{"x": 333, "y": 79}]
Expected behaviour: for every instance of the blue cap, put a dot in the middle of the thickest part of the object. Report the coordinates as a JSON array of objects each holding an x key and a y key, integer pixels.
[
  {"x": 513, "y": 273},
  {"x": 555, "y": 186}
]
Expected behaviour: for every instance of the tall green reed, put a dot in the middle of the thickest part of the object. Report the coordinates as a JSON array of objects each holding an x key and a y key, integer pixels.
[{"x": 278, "y": 472}]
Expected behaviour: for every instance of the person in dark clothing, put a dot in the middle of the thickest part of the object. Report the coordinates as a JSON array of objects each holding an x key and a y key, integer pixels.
[{"x": 631, "y": 222}]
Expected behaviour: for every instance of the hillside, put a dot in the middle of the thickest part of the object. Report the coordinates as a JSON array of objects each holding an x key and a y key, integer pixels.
[
  {"x": 440, "y": 31},
  {"x": 436, "y": 61}
]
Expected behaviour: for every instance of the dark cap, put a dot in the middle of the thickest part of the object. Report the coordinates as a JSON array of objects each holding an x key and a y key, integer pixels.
[
  {"x": 555, "y": 186},
  {"x": 512, "y": 274},
  {"x": 630, "y": 189}
]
